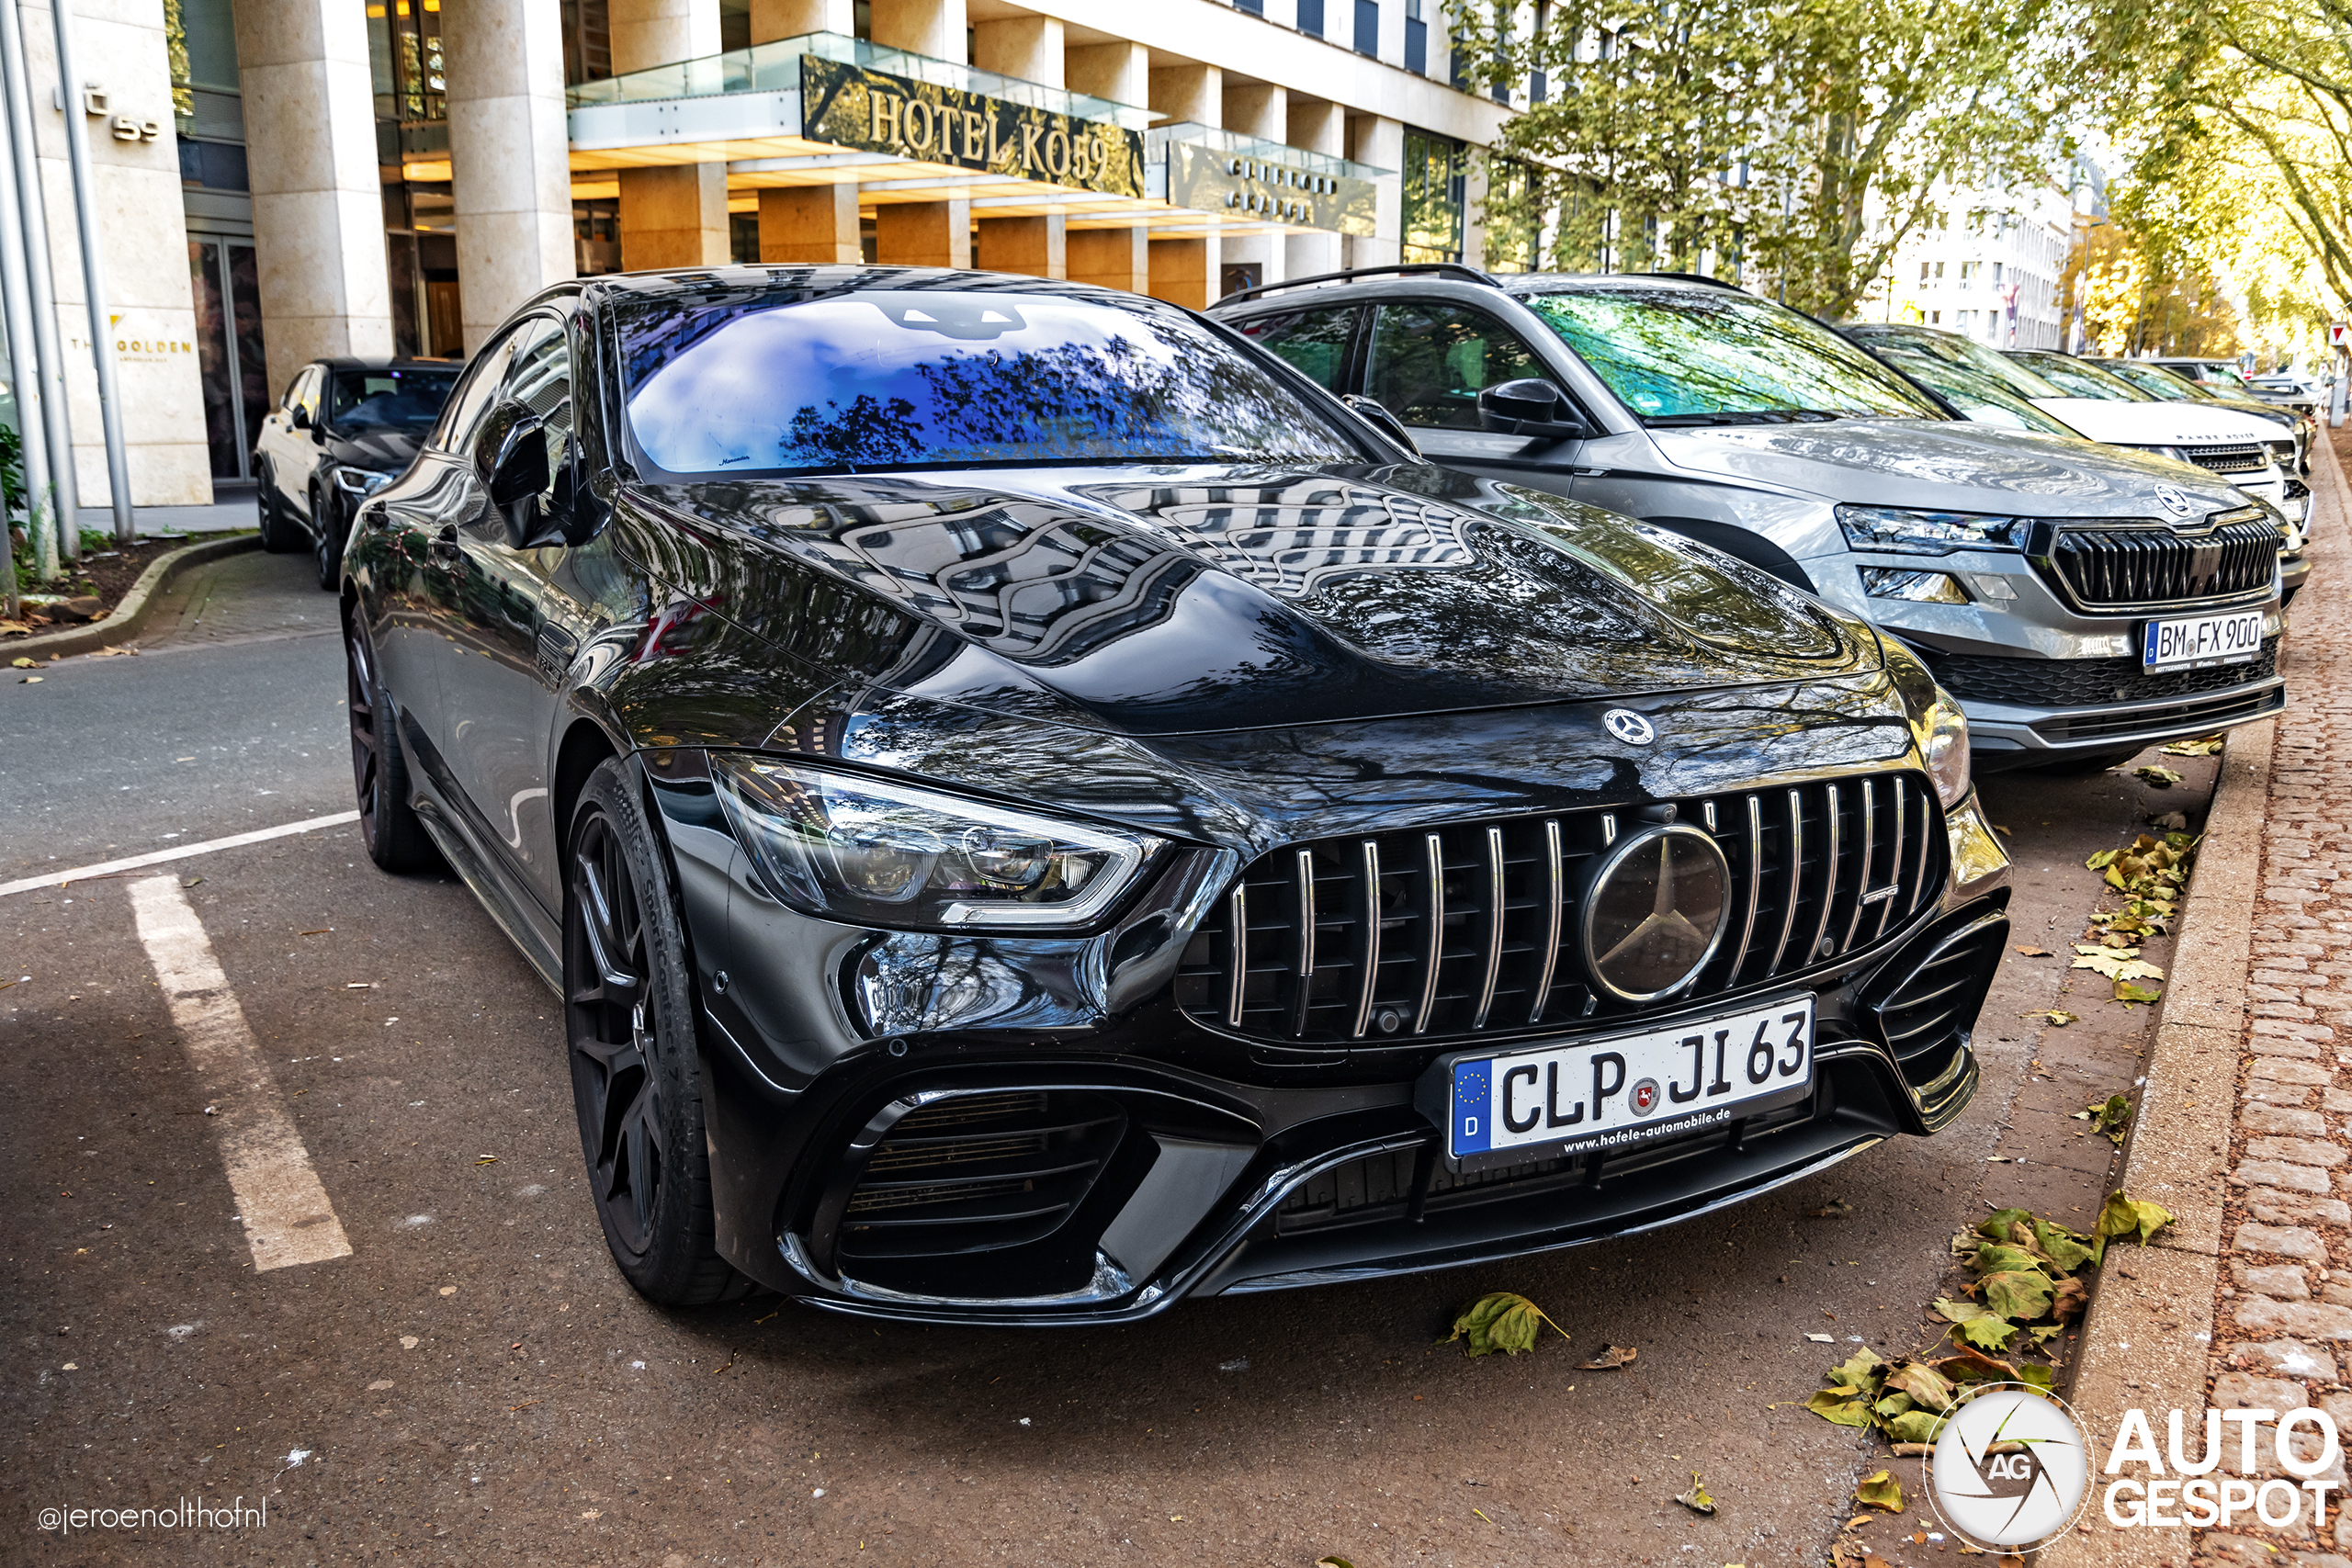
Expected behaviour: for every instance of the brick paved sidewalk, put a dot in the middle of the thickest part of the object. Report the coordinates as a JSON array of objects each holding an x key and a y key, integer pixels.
[{"x": 2282, "y": 1335}]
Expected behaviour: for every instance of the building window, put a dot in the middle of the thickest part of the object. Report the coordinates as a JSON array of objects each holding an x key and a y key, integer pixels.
[
  {"x": 587, "y": 43},
  {"x": 1511, "y": 215},
  {"x": 1310, "y": 17},
  {"x": 1255, "y": 7},
  {"x": 1416, "y": 40},
  {"x": 1433, "y": 198},
  {"x": 1969, "y": 272},
  {"x": 1367, "y": 38}
]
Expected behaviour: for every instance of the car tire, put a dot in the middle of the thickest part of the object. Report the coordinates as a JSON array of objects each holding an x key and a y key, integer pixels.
[
  {"x": 2085, "y": 766},
  {"x": 396, "y": 841},
  {"x": 629, "y": 1034},
  {"x": 278, "y": 534},
  {"x": 326, "y": 542}
]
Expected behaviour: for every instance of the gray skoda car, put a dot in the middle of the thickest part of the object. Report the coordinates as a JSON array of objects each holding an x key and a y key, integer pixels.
[{"x": 2081, "y": 601}]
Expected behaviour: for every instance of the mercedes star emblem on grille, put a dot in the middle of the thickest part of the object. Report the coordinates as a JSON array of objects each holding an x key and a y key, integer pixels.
[
  {"x": 1629, "y": 727},
  {"x": 1654, "y": 912}
]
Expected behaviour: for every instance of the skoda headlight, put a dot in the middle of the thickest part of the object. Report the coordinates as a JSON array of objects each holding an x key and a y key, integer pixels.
[
  {"x": 357, "y": 482},
  {"x": 1943, "y": 741},
  {"x": 1913, "y": 533},
  {"x": 845, "y": 847}
]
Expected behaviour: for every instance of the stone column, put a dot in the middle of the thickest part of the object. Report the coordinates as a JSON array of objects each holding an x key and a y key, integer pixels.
[
  {"x": 1319, "y": 127},
  {"x": 1114, "y": 258},
  {"x": 1184, "y": 271},
  {"x": 1380, "y": 142},
  {"x": 674, "y": 214},
  {"x": 808, "y": 225},
  {"x": 935, "y": 27},
  {"x": 923, "y": 233},
  {"x": 773, "y": 19},
  {"x": 1474, "y": 187},
  {"x": 310, "y": 161},
  {"x": 1028, "y": 48},
  {"x": 508, "y": 173}
]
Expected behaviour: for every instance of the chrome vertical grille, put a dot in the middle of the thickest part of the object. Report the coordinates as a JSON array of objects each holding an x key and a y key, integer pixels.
[{"x": 1471, "y": 928}]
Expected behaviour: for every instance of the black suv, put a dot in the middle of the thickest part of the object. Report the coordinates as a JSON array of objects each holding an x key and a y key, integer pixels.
[{"x": 344, "y": 429}]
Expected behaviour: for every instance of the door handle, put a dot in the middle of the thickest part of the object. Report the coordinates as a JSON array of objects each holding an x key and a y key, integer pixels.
[{"x": 445, "y": 543}]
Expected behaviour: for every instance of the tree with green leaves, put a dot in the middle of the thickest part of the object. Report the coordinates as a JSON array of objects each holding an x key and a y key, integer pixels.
[
  {"x": 2242, "y": 106},
  {"x": 1806, "y": 139}
]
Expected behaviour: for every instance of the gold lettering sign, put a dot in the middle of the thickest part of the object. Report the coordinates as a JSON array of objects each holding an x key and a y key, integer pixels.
[
  {"x": 1258, "y": 190},
  {"x": 875, "y": 112}
]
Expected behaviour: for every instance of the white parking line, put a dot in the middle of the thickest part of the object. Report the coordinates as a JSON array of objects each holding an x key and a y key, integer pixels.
[
  {"x": 132, "y": 862},
  {"x": 288, "y": 1217}
]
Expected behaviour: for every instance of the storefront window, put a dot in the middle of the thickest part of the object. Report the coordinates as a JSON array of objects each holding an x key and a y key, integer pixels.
[
  {"x": 1513, "y": 216},
  {"x": 1432, "y": 197}
]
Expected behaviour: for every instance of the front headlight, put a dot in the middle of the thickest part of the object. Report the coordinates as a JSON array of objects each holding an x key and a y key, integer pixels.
[
  {"x": 1943, "y": 741},
  {"x": 1908, "y": 532},
  {"x": 357, "y": 482},
  {"x": 845, "y": 847}
]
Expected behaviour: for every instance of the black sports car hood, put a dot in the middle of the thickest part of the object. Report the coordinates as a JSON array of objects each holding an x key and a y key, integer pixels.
[
  {"x": 383, "y": 450},
  {"x": 1179, "y": 600}
]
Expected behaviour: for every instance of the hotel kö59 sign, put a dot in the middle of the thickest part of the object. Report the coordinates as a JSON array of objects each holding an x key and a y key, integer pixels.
[{"x": 851, "y": 107}]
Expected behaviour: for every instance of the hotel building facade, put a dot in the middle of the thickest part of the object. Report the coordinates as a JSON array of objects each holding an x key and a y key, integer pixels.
[{"x": 280, "y": 180}]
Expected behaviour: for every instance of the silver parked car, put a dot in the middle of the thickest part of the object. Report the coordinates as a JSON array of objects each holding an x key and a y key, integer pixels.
[{"x": 2080, "y": 600}]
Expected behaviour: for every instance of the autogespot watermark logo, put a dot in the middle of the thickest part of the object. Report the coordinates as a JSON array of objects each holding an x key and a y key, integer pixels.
[{"x": 2010, "y": 1469}]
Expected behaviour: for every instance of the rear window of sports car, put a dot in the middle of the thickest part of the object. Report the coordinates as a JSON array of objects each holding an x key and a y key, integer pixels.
[{"x": 886, "y": 379}]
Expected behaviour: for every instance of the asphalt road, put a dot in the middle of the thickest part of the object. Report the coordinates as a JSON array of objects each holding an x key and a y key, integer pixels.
[{"x": 473, "y": 1383}]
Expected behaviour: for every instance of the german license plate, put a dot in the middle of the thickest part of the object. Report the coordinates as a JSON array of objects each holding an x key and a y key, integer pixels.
[
  {"x": 1629, "y": 1088},
  {"x": 2194, "y": 642}
]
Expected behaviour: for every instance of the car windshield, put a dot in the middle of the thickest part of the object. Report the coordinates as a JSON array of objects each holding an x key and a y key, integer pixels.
[
  {"x": 389, "y": 399},
  {"x": 1965, "y": 353},
  {"x": 907, "y": 378},
  {"x": 2162, "y": 386},
  {"x": 1982, "y": 399},
  {"x": 2078, "y": 379},
  {"x": 1718, "y": 356}
]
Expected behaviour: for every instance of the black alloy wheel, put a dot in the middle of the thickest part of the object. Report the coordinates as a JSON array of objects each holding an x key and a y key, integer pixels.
[
  {"x": 629, "y": 1023},
  {"x": 396, "y": 841},
  {"x": 277, "y": 531},
  {"x": 326, "y": 540}
]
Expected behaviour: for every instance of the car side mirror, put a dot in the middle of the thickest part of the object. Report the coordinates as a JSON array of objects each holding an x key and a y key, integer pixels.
[
  {"x": 511, "y": 460},
  {"x": 1374, "y": 413},
  {"x": 1530, "y": 406},
  {"x": 299, "y": 417}
]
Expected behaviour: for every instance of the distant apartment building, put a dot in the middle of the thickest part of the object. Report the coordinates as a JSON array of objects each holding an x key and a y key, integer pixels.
[{"x": 1993, "y": 270}]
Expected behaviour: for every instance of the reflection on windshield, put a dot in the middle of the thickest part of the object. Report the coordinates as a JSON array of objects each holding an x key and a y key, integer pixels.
[
  {"x": 2081, "y": 380},
  {"x": 1982, "y": 400},
  {"x": 1966, "y": 353},
  {"x": 1684, "y": 356},
  {"x": 903, "y": 379},
  {"x": 389, "y": 399},
  {"x": 2159, "y": 386}
]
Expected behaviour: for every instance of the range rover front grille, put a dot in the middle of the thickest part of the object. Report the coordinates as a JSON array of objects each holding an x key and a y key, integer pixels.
[
  {"x": 2251, "y": 458},
  {"x": 1468, "y": 929},
  {"x": 2125, "y": 566}
]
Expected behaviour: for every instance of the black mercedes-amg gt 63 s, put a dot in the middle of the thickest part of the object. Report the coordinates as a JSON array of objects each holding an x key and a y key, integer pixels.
[{"x": 1035, "y": 810}]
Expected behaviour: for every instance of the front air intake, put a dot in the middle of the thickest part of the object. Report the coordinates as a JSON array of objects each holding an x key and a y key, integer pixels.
[
  {"x": 978, "y": 1173},
  {"x": 1925, "y": 1007}
]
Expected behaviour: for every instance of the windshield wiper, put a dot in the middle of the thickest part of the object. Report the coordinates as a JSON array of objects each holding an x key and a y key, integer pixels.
[{"x": 1743, "y": 416}]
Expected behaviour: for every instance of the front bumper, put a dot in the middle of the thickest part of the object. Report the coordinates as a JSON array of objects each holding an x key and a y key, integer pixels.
[
  {"x": 2043, "y": 680},
  {"x": 1149, "y": 1157}
]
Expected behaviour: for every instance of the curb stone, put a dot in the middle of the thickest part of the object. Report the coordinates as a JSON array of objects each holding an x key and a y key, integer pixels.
[
  {"x": 129, "y": 617},
  {"x": 2147, "y": 1341}
]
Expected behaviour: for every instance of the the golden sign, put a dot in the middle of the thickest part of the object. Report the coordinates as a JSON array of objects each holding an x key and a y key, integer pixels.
[
  {"x": 851, "y": 107},
  {"x": 1257, "y": 189}
]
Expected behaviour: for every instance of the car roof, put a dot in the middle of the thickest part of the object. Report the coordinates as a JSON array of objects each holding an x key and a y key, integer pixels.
[
  {"x": 1418, "y": 278},
  {"x": 350, "y": 362},
  {"x": 687, "y": 283}
]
